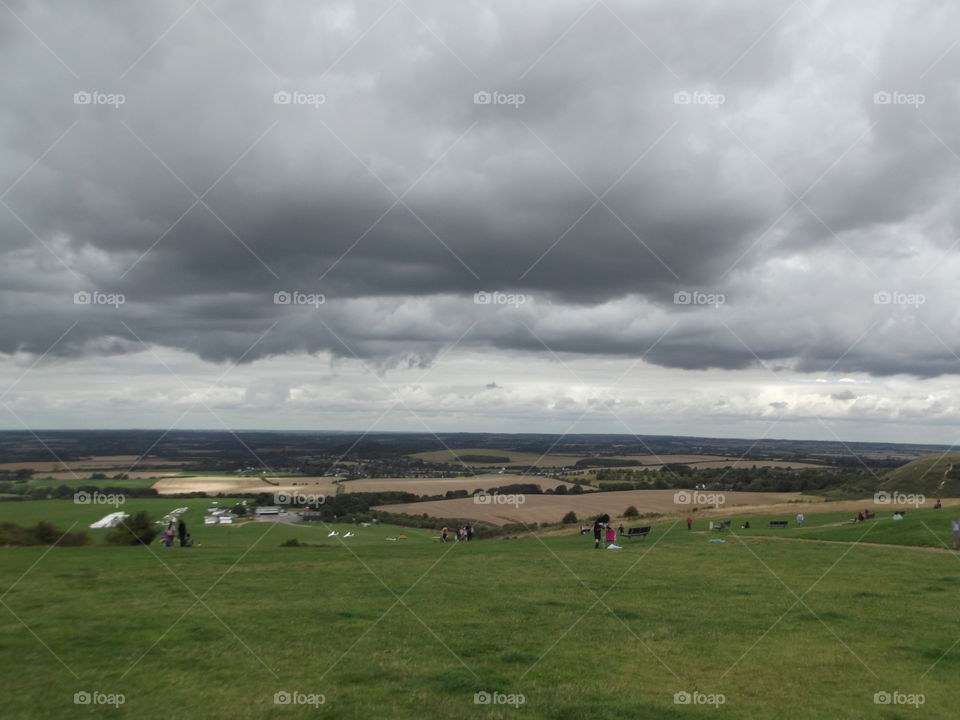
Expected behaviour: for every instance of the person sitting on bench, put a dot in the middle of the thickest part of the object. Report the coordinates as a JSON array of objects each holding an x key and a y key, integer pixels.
[{"x": 745, "y": 526}]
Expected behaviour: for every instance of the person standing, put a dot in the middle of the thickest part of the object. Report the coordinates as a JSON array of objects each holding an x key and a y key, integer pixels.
[
  {"x": 597, "y": 532},
  {"x": 469, "y": 532},
  {"x": 799, "y": 519},
  {"x": 689, "y": 523},
  {"x": 182, "y": 533},
  {"x": 443, "y": 534}
]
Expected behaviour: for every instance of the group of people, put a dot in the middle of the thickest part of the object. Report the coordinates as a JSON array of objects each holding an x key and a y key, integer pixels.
[
  {"x": 603, "y": 532},
  {"x": 167, "y": 539},
  {"x": 464, "y": 533}
]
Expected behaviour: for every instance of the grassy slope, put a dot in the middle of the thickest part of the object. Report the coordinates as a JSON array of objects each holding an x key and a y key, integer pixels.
[
  {"x": 515, "y": 616},
  {"x": 925, "y": 475}
]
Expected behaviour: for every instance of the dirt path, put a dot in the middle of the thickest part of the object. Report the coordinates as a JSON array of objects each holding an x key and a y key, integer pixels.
[{"x": 945, "y": 551}]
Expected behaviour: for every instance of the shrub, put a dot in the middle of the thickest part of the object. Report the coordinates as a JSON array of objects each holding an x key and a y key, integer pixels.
[
  {"x": 570, "y": 517},
  {"x": 137, "y": 529},
  {"x": 42, "y": 533},
  {"x": 631, "y": 512}
]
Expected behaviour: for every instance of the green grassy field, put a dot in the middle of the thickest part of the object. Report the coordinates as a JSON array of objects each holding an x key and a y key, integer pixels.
[{"x": 414, "y": 628}]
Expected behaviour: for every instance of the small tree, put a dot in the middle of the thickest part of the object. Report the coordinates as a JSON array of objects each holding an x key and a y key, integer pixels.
[
  {"x": 135, "y": 530},
  {"x": 631, "y": 512},
  {"x": 570, "y": 517}
]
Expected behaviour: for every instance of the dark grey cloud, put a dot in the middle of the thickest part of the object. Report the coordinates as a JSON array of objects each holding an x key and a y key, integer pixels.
[{"x": 704, "y": 197}]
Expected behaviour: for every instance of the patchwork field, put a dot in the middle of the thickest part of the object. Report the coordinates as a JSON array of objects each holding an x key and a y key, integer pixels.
[
  {"x": 517, "y": 459},
  {"x": 116, "y": 463},
  {"x": 653, "y": 462},
  {"x": 552, "y": 508},
  {"x": 438, "y": 486}
]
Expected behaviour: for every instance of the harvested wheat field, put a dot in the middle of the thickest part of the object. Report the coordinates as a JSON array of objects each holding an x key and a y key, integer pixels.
[
  {"x": 218, "y": 484},
  {"x": 551, "y": 508}
]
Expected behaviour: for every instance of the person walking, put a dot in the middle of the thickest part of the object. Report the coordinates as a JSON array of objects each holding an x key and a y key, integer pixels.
[{"x": 689, "y": 523}]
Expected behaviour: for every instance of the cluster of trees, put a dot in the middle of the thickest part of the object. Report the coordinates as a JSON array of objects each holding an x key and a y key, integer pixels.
[
  {"x": 18, "y": 491},
  {"x": 752, "y": 479}
]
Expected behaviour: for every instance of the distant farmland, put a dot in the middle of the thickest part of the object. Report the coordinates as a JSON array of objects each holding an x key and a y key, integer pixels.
[
  {"x": 471, "y": 458},
  {"x": 551, "y": 508}
]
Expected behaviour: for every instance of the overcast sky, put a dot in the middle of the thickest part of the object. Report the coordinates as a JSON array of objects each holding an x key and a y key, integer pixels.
[{"x": 734, "y": 219}]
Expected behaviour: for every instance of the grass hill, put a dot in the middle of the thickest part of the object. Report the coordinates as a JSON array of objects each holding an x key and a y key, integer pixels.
[{"x": 931, "y": 475}]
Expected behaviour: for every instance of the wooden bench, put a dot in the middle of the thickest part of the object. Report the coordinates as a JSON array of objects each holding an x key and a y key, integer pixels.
[
  {"x": 637, "y": 532},
  {"x": 779, "y": 523}
]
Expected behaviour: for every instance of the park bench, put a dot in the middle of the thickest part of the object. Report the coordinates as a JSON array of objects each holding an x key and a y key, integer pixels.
[
  {"x": 637, "y": 532},
  {"x": 724, "y": 525},
  {"x": 779, "y": 523}
]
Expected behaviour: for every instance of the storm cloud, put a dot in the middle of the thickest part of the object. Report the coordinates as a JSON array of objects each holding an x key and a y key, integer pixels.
[{"x": 747, "y": 185}]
